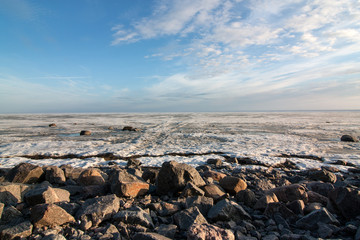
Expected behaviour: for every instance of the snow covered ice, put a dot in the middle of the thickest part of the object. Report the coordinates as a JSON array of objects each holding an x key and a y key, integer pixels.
[{"x": 171, "y": 136}]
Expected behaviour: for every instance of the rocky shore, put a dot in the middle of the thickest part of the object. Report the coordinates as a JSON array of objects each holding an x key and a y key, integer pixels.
[{"x": 177, "y": 201}]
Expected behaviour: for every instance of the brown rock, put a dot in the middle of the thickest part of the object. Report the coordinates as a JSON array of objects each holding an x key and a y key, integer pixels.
[
  {"x": 49, "y": 215},
  {"x": 247, "y": 197},
  {"x": 174, "y": 176},
  {"x": 71, "y": 172},
  {"x": 312, "y": 207},
  {"x": 150, "y": 236},
  {"x": 263, "y": 202},
  {"x": 204, "y": 204},
  {"x": 12, "y": 193},
  {"x": 316, "y": 197},
  {"x": 192, "y": 190},
  {"x": 25, "y": 173},
  {"x": 346, "y": 201},
  {"x": 124, "y": 184},
  {"x": 18, "y": 231},
  {"x": 320, "y": 187},
  {"x": 217, "y": 176},
  {"x": 52, "y": 125},
  {"x": 296, "y": 206},
  {"x": 233, "y": 185},
  {"x": 290, "y": 193},
  {"x": 46, "y": 195},
  {"x": 216, "y": 162},
  {"x": 91, "y": 176},
  {"x": 54, "y": 175},
  {"x": 213, "y": 191},
  {"x": 207, "y": 231}
]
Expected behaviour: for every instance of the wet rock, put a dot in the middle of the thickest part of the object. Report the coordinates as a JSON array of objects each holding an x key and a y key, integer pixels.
[
  {"x": 346, "y": 201},
  {"x": 25, "y": 173},
  {"x": 204, "y": 204},
  {"x": 247, "y": 197},
  {"x": 135, "y": 215},
  {"x": 192, "y": 190},
  {"x": 96, "y": 210},
  {"x": 54, "y": 175},
  {"x": 309, "y": 222},
  {"x": 91, "y": 176},
  {"x": 49, "y": 215},
  {"x": 348, "y": 138},
  {"x": 215, "y": 162},
  {"x": 187, "y": 217},
  {"x": 263, "y": 202},
  {"x": 323, "y": 175},
  {"x": 217, "y": 176},
  {"x": 12, "y": 193},
  {"x": 174, "y": 176},
  {"x": 214, "y": 191},
  {"x": 52, "y": 125},
  {"x": 21, "y": 230},
  {"x": 208, "y": 231},
  {"x": 232, "y": 185},
  {"x": 226, "y": 210},
  {"x": 85, "y": 133},
  {"x": 290, "y": 193},
  {"x": 46, "y": 195},
  {"x": 167, "y": 230},
  {"x": 124, "y": 184},
  {"x": 150, "y": 236}
]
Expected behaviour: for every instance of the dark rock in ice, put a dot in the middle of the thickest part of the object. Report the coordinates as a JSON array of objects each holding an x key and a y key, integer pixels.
[
  {"x": 85, "y": 133},
  {"x": 129, "y": 128},
  {"x": 52, "y": 125},
  {"x": 174, "y": 176},
  {"x": 215, "y": 162},
  {"x": 348, "y": 138}
]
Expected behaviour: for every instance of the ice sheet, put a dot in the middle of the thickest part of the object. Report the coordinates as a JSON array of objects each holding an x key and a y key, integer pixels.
[{"x": 260, "y": 136}]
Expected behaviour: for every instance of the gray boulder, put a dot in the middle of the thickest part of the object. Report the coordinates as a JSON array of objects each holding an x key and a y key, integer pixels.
[
  {"x": 174, "y": 176},
  {"x": 226, "y": 210},
  {"x": 46, "y": 195},
  {"x": 310, "y": 221},
  {"x": 54, "y": 175},
  {"x": 25, "y": 173},
  {"x": 12, "y": 193},
  {"x": 188, "y": 217},
  {"x": 208, "y": 231},
  {"x": 21, "y": 230},
  {"x": 150, "y": 236},
  {"x": 346, "y": 201},
  {"x": 135, "y": 215}
]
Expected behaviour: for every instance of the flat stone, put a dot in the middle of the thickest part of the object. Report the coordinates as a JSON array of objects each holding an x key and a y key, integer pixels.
[
  {"x": 226, "y": 210},
  {"x": 25, "y": 173},
  {"x": 21, "y": 230},
  {"x": 49, "y": 215},
  {"x": 46, "y": 195},
  {"x": 207, "y": 231},
  {"x": 309, "y": 222},
  {"x": 232, "y": 185},
  {"x": 174, "y": 176},
  {"x": 214, "y": 191},
  {"x": 187, "y": 217}
]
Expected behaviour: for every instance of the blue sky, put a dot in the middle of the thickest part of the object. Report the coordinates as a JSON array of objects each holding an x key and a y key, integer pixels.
[{"x": 189, "y": 55}]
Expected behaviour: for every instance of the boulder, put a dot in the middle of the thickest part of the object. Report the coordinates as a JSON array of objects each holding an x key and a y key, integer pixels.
[
  {"x": 290, "y": 193},
  {"x": 46, "y": 195},
  {"x": 316, "y": 197},
  {"x": 310, "y": 221},
  {"x": 346, "y": 201},
  {"x": 25, "y": 173},
  {"x": 247, "y": 197},
  {"x": 214, "y": 191},
  {"x": 279, "y": 208},
  {"x": 150, "y": 175},
  {"x": 12, "y": 193},
  {"x": 226, "y": 210},
  {"x": 18, "y": 231},
  {"x": 320, "y": 187},
  {"x": 85, "y": 133},
  {"x": 167, "y": 230},
  {"x": 49, "y": 215},
  {"x": 52, "y": 125},
  {"x": 217, "y": 176},
  {"x": 91, "y": 176},
  {"x": 188, "y": 217},
  {"x": 135, "y": 215},
  {"x": 215, "y": 162},
  {"x": 164, "y": 208},
  {"x": 54, "y": 237},
  {"x": 204, "y": 204},
  {"x": 232, "y": 185},
  {"x": 54, "y": 175},
  {"x": 192, "y": 190},
  {"x": 263, "y": 202},
  {"x": 10, "y": 213},
  {"x": 296, "y": 206},
  {"x": 150, "y": 236},
  {"x": 96, "y": 210},
  {"x": 2, "y": 205},
  {"x": 71, "y": 172},
  {"x": 348, "y": 138},
  {"x": 207, "y": 231},
  {"x": 323, "y": 175},
  {"x": 124, "y": 184},
  {"x": 312, "y": 207},
  {"x": 174, "y": 176}
]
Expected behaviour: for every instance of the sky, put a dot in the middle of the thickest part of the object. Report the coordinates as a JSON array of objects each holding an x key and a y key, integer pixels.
[{"x": 179, "y": 56}]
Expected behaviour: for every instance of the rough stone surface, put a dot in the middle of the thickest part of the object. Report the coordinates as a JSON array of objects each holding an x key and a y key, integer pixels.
[
  {"x": 174, "y": 176},
  {"x": 2, "y": 205},
  {"x": 49, "y": 215},
  {"x": 54, "y": 237},
  {"x": 12, "y": 193},
  {"x": 25, "y": 173},
  {"x": 96, "y": 210},
  {"x": 135, "y": 216},
  {"x": 346, "y": 201},
  {"x": 297, "y": 206},
  {"x": 290, "y": 193},
  {"x": 226, "y": 210},
  {"x": 91, "y": 176},
  {"x": 21, "y": 230},
  {"x": 124, "y": 184},
  {"x": 232, "y": 185},
  {"x": 192, "y": 190},
  {"x": 214, "y": 191},
  {"x": 217, "y": 176},
  {"x": 204, "y": 204},
  {"x": 320, "y": 187},
  {"x": 215, "y": 162},
  {"x": 187, "y": 217},
  {"x": 150, "y": 236},
  {"x": 46, "y": 195},
  {"x": 263, "y": 202},
  {"x": 247, "y": 197},
  {"x": 310, "y": 221},
  {"x": 54, "y": 175},
  {"x": 323, "y": 175},
  {"x": 167, "y": 230},
  {"x": 207, "y": 232}
]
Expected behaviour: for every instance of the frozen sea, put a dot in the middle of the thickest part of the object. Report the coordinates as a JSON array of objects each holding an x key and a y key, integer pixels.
[{"x": 163, "y": 137}]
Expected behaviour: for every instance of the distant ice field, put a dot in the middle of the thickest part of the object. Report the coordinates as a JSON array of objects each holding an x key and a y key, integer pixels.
[{"x": 184, "y": 137}]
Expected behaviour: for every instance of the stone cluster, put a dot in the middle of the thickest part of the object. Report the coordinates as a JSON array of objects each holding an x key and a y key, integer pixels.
[{"x": 177, "y": 201}]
